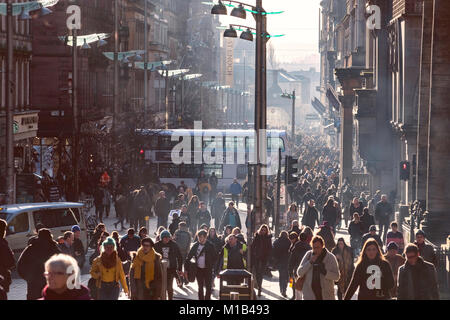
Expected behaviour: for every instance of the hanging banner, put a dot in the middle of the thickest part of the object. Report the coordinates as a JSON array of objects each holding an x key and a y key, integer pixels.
[{"x": 229, "y": 61}]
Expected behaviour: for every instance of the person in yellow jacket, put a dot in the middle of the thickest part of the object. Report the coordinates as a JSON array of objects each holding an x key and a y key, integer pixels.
[
  {"x": 146, "y": 273},
  {"x": 107, "y": 270}
]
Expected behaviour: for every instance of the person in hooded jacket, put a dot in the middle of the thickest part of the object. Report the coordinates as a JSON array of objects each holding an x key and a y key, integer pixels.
[
  {"x": 373, "y": 274},
  {"x": 146, "y": 273},
  {"x": 261, "y": 249},
  {"x": 7, "y": 262},
  {"x": 30, "y": 265},
  {"x": 281, "y": 258},
  {"x": 59, "y": 286}
]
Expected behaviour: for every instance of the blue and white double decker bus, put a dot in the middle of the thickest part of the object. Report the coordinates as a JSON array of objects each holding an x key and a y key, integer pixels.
[{"x": 236, "y": 148}]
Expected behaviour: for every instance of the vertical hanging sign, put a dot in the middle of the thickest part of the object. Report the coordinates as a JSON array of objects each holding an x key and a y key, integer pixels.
[{"x": 229, "y": 62}]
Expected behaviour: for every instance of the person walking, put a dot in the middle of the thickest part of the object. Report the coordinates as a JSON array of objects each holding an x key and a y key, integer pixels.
[
  {"x": 130, "y": 242},
  {"x": 107, "y": 270},
  {"x": 396, "y": 261},
  {"x": 230, "y": 217},
  {"x": 7, "y": 262},
  {"x": 355, "y": 206},
  {"x": 372, "y": 234},
  {"x": 183, "y": 239},
  {"x": 281, "y": 258},
  {"x": 213, "y": 181},
  {"x": 205, "y": 254},
  {"x": 330, "y": 214},
  {"x": 120, "y": 204},
  {"x": 395, "y": 236},
  {"x": 79, "y": 252},
  {"x": 344, "y": 256},
  {"x": 417, "y": 278},
  {"x": 355, "y": 230},
  {"x": 261, "y": 249},
  {"x": 173, "y": 227},
  {"x": 146, "y": 273},
  {"x": 162, "y": 209},
  {"x": 217, "y": 208},
  {"x": 203, "y": 215},
  {"x": 235, "y": 190},
  {"x": 30, "y": 265},
  {"x": 320, "y": 269},
  {"x": 299, "y": 247},
  {"x": 233, "y": 255},
  {"x": 60, "y": 269},
  {"x": 170, "y": 251},
  {"x": 291, "y": 215},
  {"x": 307, "y": 198},
  {"x": 426, "y": 251},
  {"x": 367, "y": 220},
  {"x": 311, "y": 216},
  {"x": 327, "y": 234},
  {"x": 192, "y": 211},
  {"x": 383, "y": 213},
  {"x": 67, "y": 246},
  {"x": 99, "y": 195},
  {"x": 373, "y": 275},
  {"x": 184, "y": 216}
]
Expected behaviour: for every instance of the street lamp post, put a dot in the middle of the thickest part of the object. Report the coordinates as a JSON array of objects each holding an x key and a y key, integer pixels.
[
  {"x": 75, "y": 131},
  {"x": 116, "y": 87}
]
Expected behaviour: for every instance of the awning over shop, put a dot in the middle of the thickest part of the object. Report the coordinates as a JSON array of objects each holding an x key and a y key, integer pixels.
[
  {"x": 318, "y": 106},
  {"x": 333, "y": 97}
]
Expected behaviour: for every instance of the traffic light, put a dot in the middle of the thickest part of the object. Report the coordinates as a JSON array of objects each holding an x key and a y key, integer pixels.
[
  {"x": 404, "y": 170},
  {"x": 142, "y": 154},
  {"x": 292, "y": 170}
]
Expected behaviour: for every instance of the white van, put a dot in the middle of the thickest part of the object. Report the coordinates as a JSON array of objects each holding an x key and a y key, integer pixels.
[{"x": 59, "y": 217}]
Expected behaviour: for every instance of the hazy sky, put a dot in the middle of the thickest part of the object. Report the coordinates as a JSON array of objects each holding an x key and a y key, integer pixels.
[{"x": 299, "y": 23}]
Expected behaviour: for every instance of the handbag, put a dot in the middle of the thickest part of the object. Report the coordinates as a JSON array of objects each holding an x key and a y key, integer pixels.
[
  {"x": 93, "y": 290},
  {"x": 191, "y": 267},
  {"x": 299, "y": 283}
]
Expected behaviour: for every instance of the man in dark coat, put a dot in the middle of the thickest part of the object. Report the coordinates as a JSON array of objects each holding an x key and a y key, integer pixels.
[
  {"x": 372, "y": 234},
  {"x": 7, "y": 261},
  {"x": 417, "y": 278},
  {"x": 162, "y": 209},
  {"x": 426, "y": 251},
  {"x": 367, "y": 220},
  {"x": 383, "y": 213},
  {"x": 205, "y": 254},
  {"x": 230, "y": 217},
  {"x": 170, "y": 251},
  {"x": 30, "y": 265},
  {"x": 217, "y": 208},
  {"x": 281, "y": 258},
  {"x": 311, "y": 216}
]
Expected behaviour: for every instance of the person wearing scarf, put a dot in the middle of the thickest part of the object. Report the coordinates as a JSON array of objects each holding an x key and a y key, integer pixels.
[
  {"x": 320, "y": 269},
  {"x": 145, "y": 273},
  {"x": 107, "y": 269}
]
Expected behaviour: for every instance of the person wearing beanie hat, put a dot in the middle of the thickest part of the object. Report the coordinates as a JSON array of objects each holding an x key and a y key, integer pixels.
[
  {"x": 78, "y": 247},
  {"x": 170, "y": 251},
  {"x": 107, "y": 270},
  {"x": 30, "y": 265},
  {"x": 426, "y": 251},
  {"x": 372, "y": 234}
]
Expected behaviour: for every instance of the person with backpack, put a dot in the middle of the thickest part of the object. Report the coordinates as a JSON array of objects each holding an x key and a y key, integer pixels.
[
  {"x": 205, "y": 254},
  {"x": 183, "y": 239}
]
